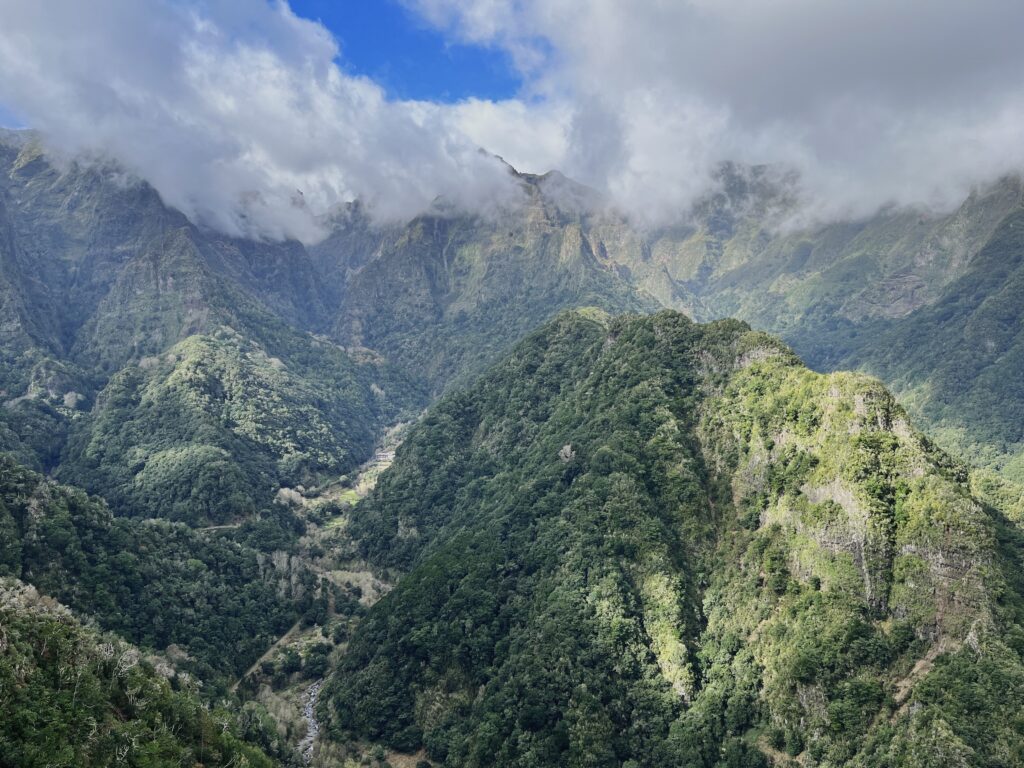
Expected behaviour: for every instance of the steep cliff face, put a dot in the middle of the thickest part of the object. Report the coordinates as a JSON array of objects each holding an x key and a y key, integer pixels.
[
  {"x": 449, "y": 293},
  {"x": 755, "y": 260},
  {"x": 644, "y": 539},
  {"x": 97, "y": 243},
  {"x": 25, "y": 323},
  {"x": 751, "y": 249},
  {"x": 930, "y": 302},
  {"x": 957, "y": 362},
  {"x": 97, "y": 273},
  {"x": 99, "y": 281},
  {"x": 444, "y": 295}
]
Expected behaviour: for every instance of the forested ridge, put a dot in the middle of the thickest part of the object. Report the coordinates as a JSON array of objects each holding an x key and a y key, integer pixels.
[
  {"x": 73, "y": 696},
  {"x": 156, "y": 583},
  {"x": 147, "y": 360},
  {"x": 209, "y": 431},
  {"x": 643, "y": 541},
  {"x": 958, "y": 361}
]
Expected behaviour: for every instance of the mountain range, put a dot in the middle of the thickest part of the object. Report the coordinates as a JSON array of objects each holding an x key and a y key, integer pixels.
[{"x": 619, "y": 529}]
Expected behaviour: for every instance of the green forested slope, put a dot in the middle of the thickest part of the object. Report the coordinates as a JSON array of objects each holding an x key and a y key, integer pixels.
[
  {"x": 73, "y": 697},
  {"x": 158, "y": 584},
  {"x": 445, "y": 295},
  {"x": 927, "y": 300},
  {"x": 172, "y": 369},
  {"x": 208, "y": 431},
  {"x": 647, "y": 542},
  {"x": 634, "y": 540},
  {"x": 449, "y": 293},
  {"x": 958, "y": 362},
  {"x": 96, "y": 275}
]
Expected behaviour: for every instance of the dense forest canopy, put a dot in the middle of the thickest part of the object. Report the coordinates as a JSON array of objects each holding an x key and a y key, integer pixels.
[
  {"x": 606, "y": 539},
  {"x": 640, "y": 539}
]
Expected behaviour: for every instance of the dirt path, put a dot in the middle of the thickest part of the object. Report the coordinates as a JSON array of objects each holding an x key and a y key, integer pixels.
[
  {"x": 266, "y": 654},
  {"x": 228, "y": 527},
  {"x": 924, "y": 665},
  {"x": 372, "y": 586}
]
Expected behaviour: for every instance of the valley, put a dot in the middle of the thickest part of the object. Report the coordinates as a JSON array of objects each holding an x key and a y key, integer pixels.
[
  {"x": 468, "y": 491},
  {"x": 284, "y": 680}
]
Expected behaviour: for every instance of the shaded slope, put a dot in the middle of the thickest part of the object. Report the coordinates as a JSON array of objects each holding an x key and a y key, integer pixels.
[
  {"x": 958, "y": 362},
  {"x": 81, "y": 228},
  {"x": 99, "y": 281},
  {"x": 448, "y": 293},
  {"x": 926, "y": 300},
  {"x": 155, "y": 583},
  {"x": 208, "y": 431},
  {"x": 75, "y": 697}
]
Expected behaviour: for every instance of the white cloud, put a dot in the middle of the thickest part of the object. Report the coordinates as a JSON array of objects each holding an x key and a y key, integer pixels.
[
  {"x": 228, "y": 108},
  {"x": 873, "y": 101},
  {"x": 529, "y": 136}
]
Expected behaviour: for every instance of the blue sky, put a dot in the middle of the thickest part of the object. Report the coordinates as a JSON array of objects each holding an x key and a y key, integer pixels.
[
  {"x": 399, "y": 51},
  {"x": 8, "y": 119},
  {"x": 384, "y": 41}
]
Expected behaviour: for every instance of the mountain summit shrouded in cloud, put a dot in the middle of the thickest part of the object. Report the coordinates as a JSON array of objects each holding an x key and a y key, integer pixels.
[
  {"x": 874, "y": 102},
  {"x": 228, "y": 108}
]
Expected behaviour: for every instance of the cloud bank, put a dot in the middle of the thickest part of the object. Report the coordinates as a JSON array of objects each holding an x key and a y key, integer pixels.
[
  {"x": 228, "y": 108},
  {"x": 872, "y": 101}
]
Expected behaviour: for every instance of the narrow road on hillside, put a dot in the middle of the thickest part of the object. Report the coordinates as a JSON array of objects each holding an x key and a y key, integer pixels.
[{"x": 226, "y": 527}]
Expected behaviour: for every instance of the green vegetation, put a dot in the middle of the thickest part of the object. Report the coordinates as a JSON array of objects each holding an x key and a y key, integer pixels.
[
  {"x": 156, "y": 583},
  {"x": 448, "y": 295},
  {"x": 646, "y": 540},
  {"x": 958, "y": 361},
  {"x": 207, "y": 432},
  {"x": 172, "y": 370},
  {"x": 635, "y": 541},
  {"x": 930, "y": 302},
  {"x": 74, "y": 697}
]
